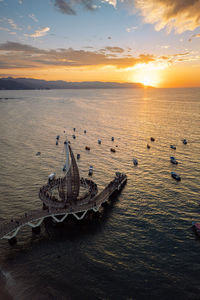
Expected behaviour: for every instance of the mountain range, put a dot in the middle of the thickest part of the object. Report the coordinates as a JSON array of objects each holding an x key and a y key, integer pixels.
[{"x": 10, "y": 83}]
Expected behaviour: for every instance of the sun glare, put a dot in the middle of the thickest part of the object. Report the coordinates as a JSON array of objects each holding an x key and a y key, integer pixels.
[{"x": 148, "y": 74}]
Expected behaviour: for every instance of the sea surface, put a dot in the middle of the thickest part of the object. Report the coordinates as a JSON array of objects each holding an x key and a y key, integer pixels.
[{"x": 142, "y": 246}]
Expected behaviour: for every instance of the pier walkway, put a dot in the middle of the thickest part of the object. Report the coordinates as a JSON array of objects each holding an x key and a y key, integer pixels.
[{"x": 78, "y": 209}]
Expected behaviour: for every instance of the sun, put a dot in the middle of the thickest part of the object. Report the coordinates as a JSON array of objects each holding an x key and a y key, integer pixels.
[
  {"x": 147, "y": 81},
  {"x": 147, "y": 78},
  {"x": 148, "y": 75}
]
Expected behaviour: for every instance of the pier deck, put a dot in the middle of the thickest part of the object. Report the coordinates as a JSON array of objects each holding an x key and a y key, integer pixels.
[{"x": 34, "y": 218}]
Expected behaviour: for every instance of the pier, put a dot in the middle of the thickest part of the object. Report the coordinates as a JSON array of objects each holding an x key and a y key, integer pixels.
[
  {"x": 62, "y": 197},
  {"x": 78, "y": 209}
]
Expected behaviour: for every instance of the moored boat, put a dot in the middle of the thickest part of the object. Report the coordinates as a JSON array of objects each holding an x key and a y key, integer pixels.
[
  {"x": 173, "y": 147},
  {"x": 51, "y": 177},
  {"x": 176, "y": 176},
  {"x": 135, "y": 161},
  {"x": 184, "y": 141},
  {"x": 90, "y": 172},
  {"x": 173, "y": 160}
]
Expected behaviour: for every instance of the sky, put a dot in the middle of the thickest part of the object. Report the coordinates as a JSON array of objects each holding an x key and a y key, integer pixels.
[{"x": 154, "y": 42}]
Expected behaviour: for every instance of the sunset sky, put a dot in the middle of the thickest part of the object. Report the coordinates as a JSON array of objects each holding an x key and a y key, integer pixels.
[{"x": 154, "y": 42}]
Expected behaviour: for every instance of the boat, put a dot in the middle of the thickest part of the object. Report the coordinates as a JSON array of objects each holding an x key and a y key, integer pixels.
[
  {"x": 90, "y": 172},
  {"x": 51, "y": 177},
  {"x": 78, "y": 156},
  {"x": 148, "y": 146},
  {"x": 87, "y": 148},
  {"x": 173, "y": 160},
  {"x": 184, "y": 141},
  {"x": 173, "y": 147},
  {"x": 176, "y": 176},
  {"x": 112, "y": 150},
  {"x": 152, "y": 139},
  {"x": 112, "y": 138},
  {"x": 196, "y": 227},
  {"x": 99, "y": 141},
  {"x": 135, "y": 162}
]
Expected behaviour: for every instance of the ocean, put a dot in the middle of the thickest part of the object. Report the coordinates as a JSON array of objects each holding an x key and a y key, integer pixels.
[{"x": 142, "y": 246}]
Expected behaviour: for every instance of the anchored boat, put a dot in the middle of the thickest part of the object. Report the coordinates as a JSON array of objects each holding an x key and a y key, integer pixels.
[{"x": 176, "y": 176}]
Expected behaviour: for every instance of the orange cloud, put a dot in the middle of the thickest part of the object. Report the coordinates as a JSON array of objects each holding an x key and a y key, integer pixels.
[
  {"x": 180, "y": 15},
  {"x": 16, "y": 55}
]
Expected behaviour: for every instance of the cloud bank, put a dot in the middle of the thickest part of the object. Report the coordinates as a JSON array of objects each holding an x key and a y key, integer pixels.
[
  {"x": 17, "y": 55},
  {"x": 180, "y": 15}
]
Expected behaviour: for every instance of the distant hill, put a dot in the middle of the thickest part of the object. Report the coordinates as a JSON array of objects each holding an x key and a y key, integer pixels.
[{"x": 32, "y": 84}]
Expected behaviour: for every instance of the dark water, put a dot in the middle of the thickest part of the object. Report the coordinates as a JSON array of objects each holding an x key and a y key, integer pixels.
[{"x": 143, "y": 246}]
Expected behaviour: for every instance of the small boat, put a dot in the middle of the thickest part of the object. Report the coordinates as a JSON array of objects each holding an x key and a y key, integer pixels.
[
  {"x": 85, "y": 131},
  {"x": 176, "y": 176},
  {"x": 99, "y": 141},
  {"x": 90, "y": 172},
  {"x": 74, "y": 136},
  {"x": 173, "y": 160},
  {"x": 51, "y": 176},
  {"x": 64, "y": 168},
  {"x": 78, "y": 156},
  {"x": 112, "y": 150},
  {"x": 87, "y": 148},
  {"x": 57, "y": 137},
  {"x": 173, "y": 147},
  {"x": 135, "y": 162},
  {"x": 184, "y": 141},
  {"x": 152, "y": 139},
  {"x": 148, "y": 146},
  {"x": 38, "y": 153},
  {"x": 196, "y": 227},
  {"x": 112, "y": 138},
  {"x": 57, "y": 143}
]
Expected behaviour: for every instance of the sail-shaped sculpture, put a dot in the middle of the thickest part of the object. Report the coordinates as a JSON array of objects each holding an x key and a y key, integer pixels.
[{"x": 70, "y": 184}]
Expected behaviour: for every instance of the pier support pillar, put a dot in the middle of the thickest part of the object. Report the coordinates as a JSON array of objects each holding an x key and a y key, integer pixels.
[
  {"x": 12, "y": 241},
  {"x": 36, "y": 230},
  {"x": 104, "y": 204},
  {"x": 44, "y": 207},
  {"x": 96, "y": 214}
]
